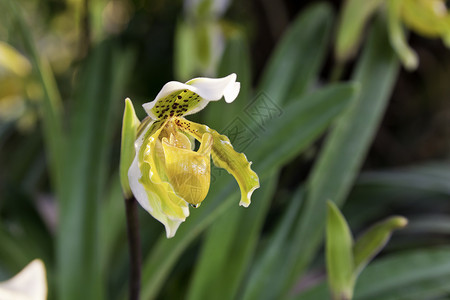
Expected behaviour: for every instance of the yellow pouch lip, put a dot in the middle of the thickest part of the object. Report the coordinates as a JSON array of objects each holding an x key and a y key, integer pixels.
[{"x": 189, "y": 172}]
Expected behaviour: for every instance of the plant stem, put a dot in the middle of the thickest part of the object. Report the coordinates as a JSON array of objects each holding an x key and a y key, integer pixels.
[
  {"x": 134, "y": 245},
  {"x": 85, "y": 31}
]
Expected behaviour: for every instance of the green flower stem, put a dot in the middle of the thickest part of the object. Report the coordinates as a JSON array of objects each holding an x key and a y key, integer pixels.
[{"x": 134, "y": 244}]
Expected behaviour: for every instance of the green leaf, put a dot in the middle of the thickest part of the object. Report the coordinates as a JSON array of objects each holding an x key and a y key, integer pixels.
[
  {"x": 185, "y": 56},
  {"x": 93, "y": 123},
  {"x": 306, "y": 119},
  {"x": 228, "y": 247},
  {"x": 429, "y": 224},
  {"x": 272, "y": 256},
  {"x": 339, "y": 254},
  {"x": 51, "y": 106},
  {"x": 296, "y": 61},
  {"x": 312, "y": 113},
  {"x": 430, "y": 178},
  {"x": 374, "y": 239},
  {"x": 130, "y": 125},
  {"x": 412, "y": 275},
  {"x": 341, "y": 157},
  {"x": 235, "y": 59},
  {"x": 354, "y": 16}
]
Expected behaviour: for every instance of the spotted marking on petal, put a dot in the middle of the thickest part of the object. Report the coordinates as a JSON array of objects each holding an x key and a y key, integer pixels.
[{"x": 176, "y": 104}]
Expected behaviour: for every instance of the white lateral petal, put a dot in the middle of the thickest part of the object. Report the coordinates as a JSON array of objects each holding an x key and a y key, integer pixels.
[{"x": 212, "y": 89}]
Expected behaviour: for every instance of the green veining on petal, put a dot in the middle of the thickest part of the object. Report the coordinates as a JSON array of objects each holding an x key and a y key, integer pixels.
[{"x": 224, "y": 156}]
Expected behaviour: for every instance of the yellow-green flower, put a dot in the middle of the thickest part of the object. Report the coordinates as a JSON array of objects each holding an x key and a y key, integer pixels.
[
  {"x": 429, "y": 18},
  {"x": 166, "y": 174}
]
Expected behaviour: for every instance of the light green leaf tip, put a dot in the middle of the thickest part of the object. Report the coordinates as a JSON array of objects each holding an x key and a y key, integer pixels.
[
  {"x": 130, "y": 125},
  {"x": 339, "y": 254},
  {"x": 353, "y": 18},
  {"x": 374, "y": 239}
]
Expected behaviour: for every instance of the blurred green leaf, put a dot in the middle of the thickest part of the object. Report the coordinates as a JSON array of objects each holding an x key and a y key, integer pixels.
[
  {"x": 312, "y": 113},
  {"x": 14, "y": 252},
  {"x": 352, "y": 20},
  {"x": 339, "y": 254},
  {"x": 236, "y": 59},
  {"x": 305, "y": 118},
  {"x": 185, "y": 56},
  {"x": 229, "y": 247},
  {"x": 413, "y": 275},
  {"x": 51, "y": 106},
  {"x": 130, "y": 125},
  {"x": 113, "y": 224},
  {"x": 273, "y": 254},
  {"x": 96, "y": 107},
  {"x": 429, "y": 178},
  {"x": 429, "y": 224},
  {"x": 374, "y": 239},
  {"x": 341, "y": 157},
  {"x": 296, "y": 61}
]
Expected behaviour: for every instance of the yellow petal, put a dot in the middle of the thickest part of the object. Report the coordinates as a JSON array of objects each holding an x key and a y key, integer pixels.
[
  {"x": 224, "y": 156},
  {"x": 426, "y": 17},
  {"x": 397, "y": 36},
  {"x": 188, "y": 171},
  {"x": 11, "y": 58},
  {"x": 151, "y": 159}
]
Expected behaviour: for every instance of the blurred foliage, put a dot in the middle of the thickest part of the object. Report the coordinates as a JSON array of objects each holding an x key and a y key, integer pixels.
[{"x": 376, "y": 143}]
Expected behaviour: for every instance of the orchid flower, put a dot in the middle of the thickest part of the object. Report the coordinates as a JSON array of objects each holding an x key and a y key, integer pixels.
[
  {"x": 28, "y": 284},
  {"x": 166, "y": 174},
  {"x": 429, "y": 18}
]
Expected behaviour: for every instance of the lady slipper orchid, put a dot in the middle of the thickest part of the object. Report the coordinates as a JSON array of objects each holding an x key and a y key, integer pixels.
[{"x": 166, "y": 174}]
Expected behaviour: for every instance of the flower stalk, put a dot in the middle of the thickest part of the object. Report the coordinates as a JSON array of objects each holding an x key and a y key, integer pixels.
[{"x": 134, "y": 246}]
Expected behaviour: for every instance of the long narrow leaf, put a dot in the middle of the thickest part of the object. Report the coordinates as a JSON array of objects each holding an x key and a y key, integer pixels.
[
  {"x": 98, "y": 99},
  {"x": 341, "y": 157},
  {"x": 274, "y": 253},
  {"x": 51, "y": 105},
  {"x": 292, "y": 68},
  {"x": 419, "y": 274},
  {"x": 228, "y": 247}
]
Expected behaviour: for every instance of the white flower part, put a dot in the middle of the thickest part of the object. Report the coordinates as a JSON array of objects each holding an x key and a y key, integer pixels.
[
  {"x": 151, "y": 204},
  {"x": 28, "y": 284},
  {"x": 209, "y": 89},
  {"x": 145, "y": 199}
]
